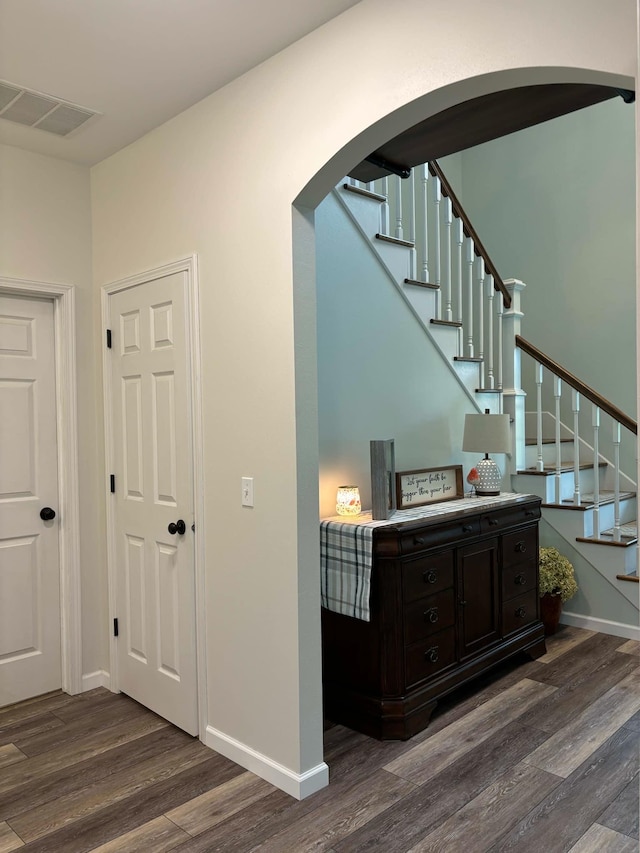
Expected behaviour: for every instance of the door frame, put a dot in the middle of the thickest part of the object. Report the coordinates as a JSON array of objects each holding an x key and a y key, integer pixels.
[
  {"x": 188, "y": 265},
  {"x": 63, "y": 297}
]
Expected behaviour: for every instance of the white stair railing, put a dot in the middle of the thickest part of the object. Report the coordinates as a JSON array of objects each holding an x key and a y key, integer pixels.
[
  {"x": 580, "y": 446},
  {"x": 423, "y": 211}
]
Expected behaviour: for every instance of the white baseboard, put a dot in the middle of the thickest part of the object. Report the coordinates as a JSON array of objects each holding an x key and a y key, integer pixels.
[
  {"x": 603, "y": 626},
  {"x": 298, "y": 785},
  {"x": 99, "y": 678}
]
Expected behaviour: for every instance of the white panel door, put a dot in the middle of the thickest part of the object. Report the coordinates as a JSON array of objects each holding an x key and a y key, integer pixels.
[
  {"x": 29, "y": 552},
  {"x": 155, "y": 577}
]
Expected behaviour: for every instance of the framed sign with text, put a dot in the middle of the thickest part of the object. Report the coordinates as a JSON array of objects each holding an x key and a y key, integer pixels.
[{"x": 428, "y": 485}]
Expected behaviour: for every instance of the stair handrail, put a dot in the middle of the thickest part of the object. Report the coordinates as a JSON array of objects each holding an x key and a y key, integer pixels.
[
  {"x": 577, "y": 384},
  {"x": 470, "y": 231}
]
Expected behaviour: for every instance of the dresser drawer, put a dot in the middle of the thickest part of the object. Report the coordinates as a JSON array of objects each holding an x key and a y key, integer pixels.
[
  {"x": 520, "y": 611},
  {"x": 428, "y": 616},
  {"x": 501, "y": 519},
  {"x": 519, "y": 579},
  {"x": 426, "y": 658},
  {"x": 437, "y": 535},
  {"x": 427, "y": 575},
  {"x": 519, "y": 546}
]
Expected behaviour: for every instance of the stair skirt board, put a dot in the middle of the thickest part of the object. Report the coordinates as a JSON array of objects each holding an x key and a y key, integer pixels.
[{"x": 603, "y": 626}]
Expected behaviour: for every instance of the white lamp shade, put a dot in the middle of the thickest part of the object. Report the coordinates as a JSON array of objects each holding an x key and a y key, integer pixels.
[
  {"x": 487, "y": 434},
  {"x": 348, "y": 501}
]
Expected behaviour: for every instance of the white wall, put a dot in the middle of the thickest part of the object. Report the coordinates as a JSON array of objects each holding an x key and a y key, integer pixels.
[
  {"x": 555, "y": 206},
  {"x": 45, "y": 236},
  {"x": 220, "y": 180}
]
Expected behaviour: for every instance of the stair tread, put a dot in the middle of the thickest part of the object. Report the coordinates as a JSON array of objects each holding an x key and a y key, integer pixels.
[
  {"x": 587, "y": 502},
  {"x": 452, "y": 323},
  {"x": 531, "y": 442},
  {"x": 470, "y": 358},
  {"x": 488, "y": 390},
  {"x": 427, "y": 284},
  {"x": 366, "y": 193},
  {"x": 397, "y": 241},
  {"x": 632, "y": 577},
  {"x": 549, "y": 470}
]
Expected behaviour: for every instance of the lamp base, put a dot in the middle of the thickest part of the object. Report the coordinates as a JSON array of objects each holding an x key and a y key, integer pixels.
[{"x": 490, "y": 478}]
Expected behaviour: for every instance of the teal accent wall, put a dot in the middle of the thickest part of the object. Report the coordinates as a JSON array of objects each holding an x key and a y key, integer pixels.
[{"x": 555, "y": 206}]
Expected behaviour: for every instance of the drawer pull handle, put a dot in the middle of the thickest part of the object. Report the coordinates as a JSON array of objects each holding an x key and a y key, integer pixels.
[
  {"x": 430, "y": 576},
  {"x": 521, "y": 612},
  {"x": 431, "y": 615},
  {"x": 520, "y": 580},
  {"x": 418, "y": 540},
  {"x": 462, "y": 603},
  {"x": 529, "y": 513},
  {"x": 520, "y": 547},
  {"x": 467, "y": 528},
  {"x": 493, "y": 522},
  {"x": 432, "y": 654}
]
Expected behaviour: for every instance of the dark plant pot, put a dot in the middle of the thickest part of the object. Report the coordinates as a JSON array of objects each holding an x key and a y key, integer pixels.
[{"x": 550, "y": 610}]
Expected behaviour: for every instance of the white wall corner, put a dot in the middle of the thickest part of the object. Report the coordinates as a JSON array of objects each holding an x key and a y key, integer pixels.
[
  {"x": 99, "y": 678},
  {"x": 298, "y": 785}
]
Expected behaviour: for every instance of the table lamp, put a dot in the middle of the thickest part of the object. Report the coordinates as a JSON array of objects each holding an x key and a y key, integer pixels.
[{"x": 487, "y": 434}]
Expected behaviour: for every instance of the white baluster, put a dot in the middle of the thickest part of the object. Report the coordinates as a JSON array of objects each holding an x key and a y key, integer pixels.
[
  {"x": 596, "y": 470},
  {"x": 557, "y": 393},
  {"x": 448, "y": 219},
  {"x": 412, "y": 223},
  {"x": 500, "y": 341},
  {"x": 575, "y": 407},
  {"x": 459, "y": 238},
  {"x": 425, "y": 212},
  {"x": 616, "y": 475},
  {"x": 480, "y": 279},
  {"x": 490, "y": 339},
  {"x": 469, "y": 297},
  {"x": 384, "y": 207},
  {"x": 437, "y": 198},
  {"x": 540, "y": 462},
  {"x": 397, "y": 185}
]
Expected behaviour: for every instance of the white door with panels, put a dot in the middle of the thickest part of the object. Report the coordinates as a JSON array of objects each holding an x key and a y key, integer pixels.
[
  {"x": 152, "y": 484},
  {"x": 29, "y": 518}
]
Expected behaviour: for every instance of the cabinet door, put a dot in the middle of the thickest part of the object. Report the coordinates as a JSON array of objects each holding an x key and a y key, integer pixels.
[{"x": 478, "y": 596}]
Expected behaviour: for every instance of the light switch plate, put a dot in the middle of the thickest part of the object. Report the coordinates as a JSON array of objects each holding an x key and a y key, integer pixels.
[{"x": 247, "y": 491}]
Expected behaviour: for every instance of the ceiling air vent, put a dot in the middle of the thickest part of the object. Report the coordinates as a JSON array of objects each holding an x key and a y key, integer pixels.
[{"x": 45, "y": 112}]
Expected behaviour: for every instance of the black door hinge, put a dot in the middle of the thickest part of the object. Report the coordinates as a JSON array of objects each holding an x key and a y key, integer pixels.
[
  {"x": 112, "y": 483},
  {"x": 115, "y": 627},
  {"x": 108, "y": 338}
]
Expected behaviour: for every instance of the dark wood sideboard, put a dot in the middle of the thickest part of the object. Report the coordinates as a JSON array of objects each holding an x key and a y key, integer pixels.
[{"x": 451, "y": 597}]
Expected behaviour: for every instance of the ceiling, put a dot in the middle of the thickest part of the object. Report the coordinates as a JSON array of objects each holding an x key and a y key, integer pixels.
[{"x": 137, "y": 63}]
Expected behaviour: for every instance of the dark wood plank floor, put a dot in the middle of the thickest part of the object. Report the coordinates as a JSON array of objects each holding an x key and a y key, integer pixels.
[{"x": 540, "y": 756}]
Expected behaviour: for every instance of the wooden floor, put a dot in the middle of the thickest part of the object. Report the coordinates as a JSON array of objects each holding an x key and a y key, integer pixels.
[{"x": 542, "y": 756}]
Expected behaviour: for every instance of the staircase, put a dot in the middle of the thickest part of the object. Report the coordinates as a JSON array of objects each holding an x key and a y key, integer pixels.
[{"x": 423, "y": 239}]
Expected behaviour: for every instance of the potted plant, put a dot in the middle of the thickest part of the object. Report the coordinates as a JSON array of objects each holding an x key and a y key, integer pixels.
[{"x": 557, "y": 585}]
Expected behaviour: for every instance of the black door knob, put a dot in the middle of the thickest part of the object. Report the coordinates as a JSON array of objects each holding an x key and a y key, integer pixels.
[
  {"x": 178, "y": 527},
  {"x": 47, "y": 514}
]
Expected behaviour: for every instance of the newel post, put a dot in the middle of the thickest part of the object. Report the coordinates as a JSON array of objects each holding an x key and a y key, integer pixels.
[{"x": 513, "y": 397}]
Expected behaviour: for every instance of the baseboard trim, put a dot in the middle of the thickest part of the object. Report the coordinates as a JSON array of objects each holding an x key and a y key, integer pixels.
[
  {"x": 603, "y": 626},
  {"x": 298, "y": 785},
  {"x": 99, "y": 678}
]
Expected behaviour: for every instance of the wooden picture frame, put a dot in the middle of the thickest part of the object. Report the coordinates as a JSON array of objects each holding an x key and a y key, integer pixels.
[{"x": 428, "y": 485}]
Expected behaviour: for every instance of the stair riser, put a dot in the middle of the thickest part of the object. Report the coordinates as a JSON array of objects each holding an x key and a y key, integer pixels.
[
  {"x": 581, "y": 523},
  {"x": 549, "y": 454},
  {"x": 545, "y": 486}
]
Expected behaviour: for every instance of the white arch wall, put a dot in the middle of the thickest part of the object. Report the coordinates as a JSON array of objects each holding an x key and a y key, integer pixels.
[{"x": 220, "y": 180}]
